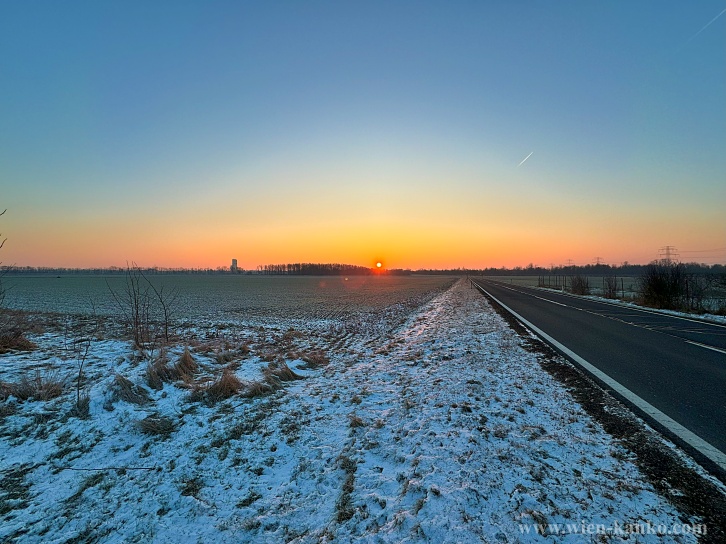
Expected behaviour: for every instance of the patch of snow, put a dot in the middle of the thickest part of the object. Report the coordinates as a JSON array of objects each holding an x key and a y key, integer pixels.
[{"x": 439, "y": 426}]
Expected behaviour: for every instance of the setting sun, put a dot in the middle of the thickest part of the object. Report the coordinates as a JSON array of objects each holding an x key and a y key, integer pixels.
[{"x": 378, "y": 265}]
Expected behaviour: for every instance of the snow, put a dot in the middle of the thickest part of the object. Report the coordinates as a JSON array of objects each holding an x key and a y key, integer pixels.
[{"x": 442, "y": 428}]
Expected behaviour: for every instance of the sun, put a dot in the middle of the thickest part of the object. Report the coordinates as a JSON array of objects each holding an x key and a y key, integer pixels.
[{"x": 378, "y": 265}]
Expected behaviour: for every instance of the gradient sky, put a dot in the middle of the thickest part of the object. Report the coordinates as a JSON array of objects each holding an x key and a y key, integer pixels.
[{"x": 189, "y": 133}]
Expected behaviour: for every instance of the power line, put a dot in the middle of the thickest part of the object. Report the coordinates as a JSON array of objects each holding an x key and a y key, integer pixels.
[{"x": 703, "y": 250}]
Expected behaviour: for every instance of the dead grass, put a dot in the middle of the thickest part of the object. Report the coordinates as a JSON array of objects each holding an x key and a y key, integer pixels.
[
  {"x": 5, "y": 390},
  {"x": 192, "y": 487},
  {"x": 255, "y": 389},
  {"x": 126, "y": 390},
  {"x": 37, "y": 386},
  {"x": 14, "y": 340},
  {"x": 224, "y": 387},
  {"x": 344, "y": 506},
  {"x": 316, "y": 359},
  {"x": 278, "y": 372},
  {"x": 356, "y": 421},
  {"x": 186, "y": 365},
  {"x": 156, "y": 425},
  {"x": 82, "y": 407},
  {"x": 159, "y": 372}
]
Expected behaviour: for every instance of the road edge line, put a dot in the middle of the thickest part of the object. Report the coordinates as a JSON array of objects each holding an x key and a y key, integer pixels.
[{"x": 710, "y": 452}]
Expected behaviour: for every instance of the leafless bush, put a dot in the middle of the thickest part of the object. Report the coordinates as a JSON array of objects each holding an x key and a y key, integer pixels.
[
  {"x": 126, "y": 390},
  {"x": 146, "y": 309},
  {"x": 662, "y": 285},
  {"x": 579, "y": 285},
  {"x": 610, "y": 287}
]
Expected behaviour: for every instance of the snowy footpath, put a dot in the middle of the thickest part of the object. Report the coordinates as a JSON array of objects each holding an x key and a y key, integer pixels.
[{"x": 444, "y": 429}]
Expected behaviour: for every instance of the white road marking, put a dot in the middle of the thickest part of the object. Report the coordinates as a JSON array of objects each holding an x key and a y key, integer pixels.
[
  {"x": 706, "y": 346},
  {"x": 695, "y": 441}
]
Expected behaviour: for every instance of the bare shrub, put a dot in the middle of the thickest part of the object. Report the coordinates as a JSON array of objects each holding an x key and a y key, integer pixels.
[
  {"x": 610, "y": 287},
  {"x": 147, "y": 311},
  {"x": 126, "y": 390},
  {"x": 662, "y": 285},
  {"x": 156, "y": 425},
  {"x": 37, "y": 387},
  {"x": 579, "y": 285}
]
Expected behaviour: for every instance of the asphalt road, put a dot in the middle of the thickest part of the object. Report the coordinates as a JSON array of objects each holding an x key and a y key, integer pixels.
[{"x": 678, "y": 365}]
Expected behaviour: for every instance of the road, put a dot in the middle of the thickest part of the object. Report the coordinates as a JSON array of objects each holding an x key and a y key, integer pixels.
[{"x": 677, "y": 365}]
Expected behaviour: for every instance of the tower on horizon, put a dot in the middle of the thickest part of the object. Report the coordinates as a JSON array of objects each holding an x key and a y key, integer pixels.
[{"x": 234, "y": 268}]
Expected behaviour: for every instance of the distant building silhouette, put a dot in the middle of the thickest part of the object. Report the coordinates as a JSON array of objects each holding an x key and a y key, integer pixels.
[{"x": 234, "y": 268}]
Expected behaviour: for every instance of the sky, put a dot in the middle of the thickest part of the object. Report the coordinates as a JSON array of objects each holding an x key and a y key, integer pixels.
[{"x": 189, "y": 133}]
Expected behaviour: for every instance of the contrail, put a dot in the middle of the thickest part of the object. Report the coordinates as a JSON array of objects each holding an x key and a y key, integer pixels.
[
  {"x": 521, "y": 163},
  {"x": 707, "y": 25}
]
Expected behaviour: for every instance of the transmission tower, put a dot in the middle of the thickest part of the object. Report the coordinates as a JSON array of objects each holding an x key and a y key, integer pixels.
[{"x": 668, "y": 254}]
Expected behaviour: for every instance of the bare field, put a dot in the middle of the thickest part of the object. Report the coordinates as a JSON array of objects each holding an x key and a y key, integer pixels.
[{"x": 227, "y": 296}]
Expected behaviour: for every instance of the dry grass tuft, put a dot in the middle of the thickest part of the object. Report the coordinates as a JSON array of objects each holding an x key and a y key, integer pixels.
[
  {"x": 226, "y": 386},
  {"x": 82, "y": 407},
  {"x": 159, "y": 372},
  {"x": 128, "y": 391},
  {"x": 356, "y": 421},
  {"x": 256, "y": 389},
  {"x": 37, "y": 387},
  {"x": 5, "y": 390},
  {"x": 316, "y": 359},
  {"x": 186, "y": 365},
  {"x": 156, "y": 425},
  {"x": 279, "y": 372},
  {"x": 156, "y": 374},
  {"x": 14, "y": 340},
  {"x": 224, "y": 357}
]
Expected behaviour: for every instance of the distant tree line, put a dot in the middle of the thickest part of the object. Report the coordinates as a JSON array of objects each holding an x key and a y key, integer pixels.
[
  {"x": 625, "y": 269},
  {"x": 326, "y": 269},
  {"x": 110, "y": 271},
  {"x": 314, "y": 269}
]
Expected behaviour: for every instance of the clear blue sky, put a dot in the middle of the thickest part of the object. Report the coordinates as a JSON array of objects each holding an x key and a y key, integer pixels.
[{"x": 188, "y": 133}]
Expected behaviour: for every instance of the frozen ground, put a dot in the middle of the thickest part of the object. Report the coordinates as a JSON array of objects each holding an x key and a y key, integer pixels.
[{"x": 441, "y": 429}]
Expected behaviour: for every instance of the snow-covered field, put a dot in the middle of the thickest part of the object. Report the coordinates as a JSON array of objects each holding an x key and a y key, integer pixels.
[{"x": 442, "y": 428}]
